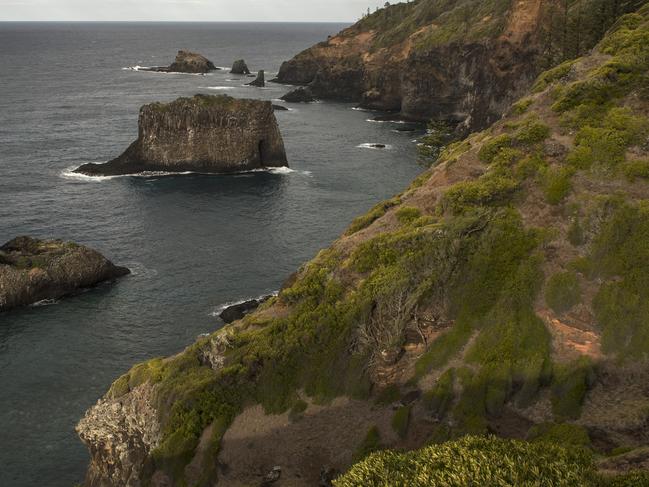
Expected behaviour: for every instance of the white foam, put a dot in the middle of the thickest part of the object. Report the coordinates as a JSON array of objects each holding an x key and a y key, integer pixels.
[
  {"x": 218, "y": 310},
  {"x": 45, "y": 302},
  {"x": 71, "y": 175},
  {"x": 386, "y": 121},
  {"x": 219, "y": 88},
  {"x": 372, "y": 145},
  {"x": 151, "y": 69}
]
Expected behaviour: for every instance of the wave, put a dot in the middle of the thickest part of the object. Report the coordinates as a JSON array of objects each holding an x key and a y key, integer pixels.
[
  {"x": 387, "y": 121},
  {"x": 70, "y": 174},
  {"x": 218, "y": 87},
  {"x": 151, "y": 69},
  {"x": 374, "y": 145},
  {"x": 45, "y": 302},
  {"x": 219, "y": 309}
]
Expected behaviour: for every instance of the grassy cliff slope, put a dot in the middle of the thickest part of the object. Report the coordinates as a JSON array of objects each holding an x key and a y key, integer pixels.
[{"x": 506, "y": 292}]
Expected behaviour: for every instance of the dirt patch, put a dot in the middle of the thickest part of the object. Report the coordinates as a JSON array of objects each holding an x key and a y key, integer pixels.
[
  {"x": 570, "y": 342},
  {"x": 325, "y": 436},
  {"x": 523, "y": 20}
]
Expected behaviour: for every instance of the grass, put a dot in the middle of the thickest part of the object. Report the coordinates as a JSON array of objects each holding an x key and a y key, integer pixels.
[
  {"x": 401, "y": 421},
  {"x": 475, "y": 461},
  {"x": 563, "y": 434},
  {"x": 370, "y": 444}
]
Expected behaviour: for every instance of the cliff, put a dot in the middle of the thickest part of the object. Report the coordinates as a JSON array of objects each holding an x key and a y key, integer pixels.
[
  {"x": 463, "y": 62},
  {"x": 505, "y": 292},
  {"x": 208, "y": 134},
  {"x": 34, "y": 270}
]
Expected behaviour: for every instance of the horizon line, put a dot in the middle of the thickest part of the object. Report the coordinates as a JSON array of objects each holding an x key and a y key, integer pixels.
[{"x": 185, "y": 21}]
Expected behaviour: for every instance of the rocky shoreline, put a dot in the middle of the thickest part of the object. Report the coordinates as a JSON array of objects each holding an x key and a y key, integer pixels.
[
  {"x": 186, "y": 62},
  {"x": 33, "y": 270},
  {"x": 206, "y": 134}
]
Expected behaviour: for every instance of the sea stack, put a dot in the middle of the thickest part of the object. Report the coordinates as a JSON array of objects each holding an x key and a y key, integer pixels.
[
  {"x": 239, "y": 67},
  {"x": 33, "y": 270},
  {"x": 299, "y": 95},
  {"x": 188, "y": 62},
  {"x": 204, "y": 134},
  {"x": 260, "y": 81}
]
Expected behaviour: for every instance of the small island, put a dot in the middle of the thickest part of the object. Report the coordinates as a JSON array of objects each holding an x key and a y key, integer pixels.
[
  {"x": 33, "y": 270},
  {"x": 186, "y": 62},
  {"x": 203, "y": 134}
]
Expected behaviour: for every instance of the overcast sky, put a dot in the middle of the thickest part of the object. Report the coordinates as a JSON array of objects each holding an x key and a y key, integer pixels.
[{"x": 181, "y": 10}]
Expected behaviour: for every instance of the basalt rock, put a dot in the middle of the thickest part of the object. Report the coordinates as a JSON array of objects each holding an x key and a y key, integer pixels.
[
  {"x": 187, "y": 62},
  {"x": 463, "y": 62},
  {"x": 238, "y": 311},
  {"x": 205, "y": 134},
  {"x": 299, "y": 95},
  {"x": 260, "y": 81},
  {"x": 239, "y": 67},
  {"x": 34, "y": 270}
]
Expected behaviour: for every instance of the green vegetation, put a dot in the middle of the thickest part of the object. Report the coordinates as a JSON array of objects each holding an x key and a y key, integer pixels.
[
  {"x": 570, "y": 384},
  {"x": 370, "y": 444},
  {"x": 563, "y": 434},
  {"x": 407, "y": 214},
  {"x": 439, "y": 399},
  {"x": 389, "y": 395},
  {"x": 556, "y": 183},
  {"x": 620, "y": 255},
  {"x": 374, "y": 214},
  {"x": 562, "y": 291},
  {"x": 295, "y": 414},
  {"x": 475, "y": 461},
  {"x": 401, "y": 421}
]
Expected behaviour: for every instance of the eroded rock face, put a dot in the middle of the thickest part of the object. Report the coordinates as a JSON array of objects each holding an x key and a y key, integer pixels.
[
  {"x": 33, "y": 270},
  {"x": 240, "y": 67},
  {"x": 187, "y": 62},
  {"x": 206, "y": 134},
  {"x": 260, "y": 81},
  {"x": 120, "y": 434},
  {"x": 299, "y": 95}
]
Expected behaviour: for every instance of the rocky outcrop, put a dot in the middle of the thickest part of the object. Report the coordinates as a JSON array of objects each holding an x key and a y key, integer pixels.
[
  {"x": 239, "y": 67},
  {"x": 206, "y": 134},
  {"x": 463, "y": 63},
  {"x": 239, "y": 310},
  {"x": 187, "y": 62},
  {"x": 299, "y": 95},
  {"x": 260, "y": 81},
  {"x": 121, "y": 431},
  {"x": 33, "y": 270}
]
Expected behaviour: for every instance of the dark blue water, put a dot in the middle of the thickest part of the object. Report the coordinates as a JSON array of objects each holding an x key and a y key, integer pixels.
[{"x": 193, "y": 242}]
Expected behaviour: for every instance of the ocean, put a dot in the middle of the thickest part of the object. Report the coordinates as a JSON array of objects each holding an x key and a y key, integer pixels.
[{"x": 70, "y": 94}]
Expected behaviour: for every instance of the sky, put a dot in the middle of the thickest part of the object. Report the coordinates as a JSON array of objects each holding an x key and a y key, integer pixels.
[{"x": 186, "y": 10}]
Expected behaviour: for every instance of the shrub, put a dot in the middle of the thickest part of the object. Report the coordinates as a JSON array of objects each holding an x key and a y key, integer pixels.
[
  {"x": 636, "y": 169},
  {"x": 521, "y": 106},
  {"x": 532, "y": 132},
  {"x": 370, "y": 444},
  {"x": 438, "y": 400},
  {"x": 493, "y": 146},
  {"x": 490, "y": 189},
  {"x": 407, "y": 214},
  {"x": 487, "y": 461},
  {"x": 552, "y": 76},
  {"x": 562, "y": 291},
  {"x": 556, "y": 184},
  {"x": 564, "y": 434},
  {"x": 374, "y": 214},
  {"x": 401, "y": 421},
  {"x": 569, "y": 387}
]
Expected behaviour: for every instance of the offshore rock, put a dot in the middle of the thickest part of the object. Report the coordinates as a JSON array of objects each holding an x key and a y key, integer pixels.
[
  {"x": 33, "y": 270},
  {"x": 260, "y": 81},
  {"x": 206, "y": 134},
  {"x": 187, "y": 62},
  {"x": 299, "y": 95},
  {"x": 239, "y": 67},
  {"x": 238, "y": 311}
]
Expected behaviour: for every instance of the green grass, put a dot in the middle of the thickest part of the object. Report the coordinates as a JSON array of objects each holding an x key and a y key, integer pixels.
[
  {"x": 570, "y": 384},
  {"x": 563, "y": 434},
  {"x": 401, "y": 421}
]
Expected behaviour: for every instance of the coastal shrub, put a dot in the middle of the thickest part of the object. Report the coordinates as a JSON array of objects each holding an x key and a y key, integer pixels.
[
  {"x": 552, "y": 76},
  {"x": 620, "y": 256},
  {"x": 638, "y": 169},
  {"x": 563, "y": 291},
  {"x": 522, "y": 106},
  {"x": 532, "y": 132},
  {"x": 556, "y": 183},
  {"x": 570, "y": 384},
  {"x": 374, "y": 214},
  {"x": 401, "y": 421},
  {"x": 493, "y": 146},
  {"x": 407, "y": 214},
  {"x": 370, "y": 444},
  {"x": 439, "y": 399},
  {"x": 475, "y": 461},
  {"x": 491, "y": 189},
  {"x": 564, "y": 434}
]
